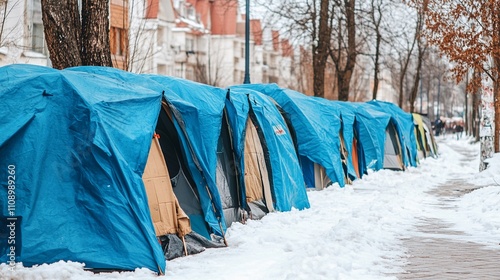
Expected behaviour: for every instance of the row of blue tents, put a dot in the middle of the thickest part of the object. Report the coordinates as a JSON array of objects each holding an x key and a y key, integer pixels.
[{"x": 113, "y": 169}]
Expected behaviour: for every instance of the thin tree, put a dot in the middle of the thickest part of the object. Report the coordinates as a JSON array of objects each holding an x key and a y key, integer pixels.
[
  {"x": 421, "y": 49},
  {"x": 308, "y": 22},
  {"x": 344, "y": 49}
]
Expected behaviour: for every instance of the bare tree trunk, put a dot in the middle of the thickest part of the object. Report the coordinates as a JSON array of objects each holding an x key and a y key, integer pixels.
[
  {"x": 71, "y": 42},
  {"x": 377, "y": 66},
  {"x": 420, "y": 58},
  {"x": 496, "y": 102},
  {"x": 320, "y": 52},
  {"x": 376, "y": 8},
  {"x": 95, "y": 33},
  {"x": 414, "y": 89},
  {"x": 344, "y": 75},
  {"x": 61, "y": 23}
]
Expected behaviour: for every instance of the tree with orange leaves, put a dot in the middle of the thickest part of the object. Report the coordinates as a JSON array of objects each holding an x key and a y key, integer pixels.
[{"x": 468, "y": 32}]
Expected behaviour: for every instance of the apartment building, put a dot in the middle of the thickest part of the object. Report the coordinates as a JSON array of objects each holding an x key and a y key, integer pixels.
[{"x": 200, "y": 40}]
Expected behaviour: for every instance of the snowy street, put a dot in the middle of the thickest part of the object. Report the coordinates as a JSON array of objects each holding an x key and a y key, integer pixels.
[{"x": 440, "y": 220}]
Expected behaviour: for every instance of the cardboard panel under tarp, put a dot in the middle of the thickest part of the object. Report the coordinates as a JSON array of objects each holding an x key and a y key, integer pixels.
[
  {"x": 258, "y": 187},
  {"x": 167, "y": 216}
]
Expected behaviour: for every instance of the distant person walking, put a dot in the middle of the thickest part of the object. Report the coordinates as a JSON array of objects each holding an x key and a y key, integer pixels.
[
  {"x": 438, "y": 125},
  {"x": 458, "y": 130}
]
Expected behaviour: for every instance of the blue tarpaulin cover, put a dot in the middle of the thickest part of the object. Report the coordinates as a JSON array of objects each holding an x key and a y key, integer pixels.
[
  {"x": 405, "y": 128},
  {"x": 197, "y": 114},
  {"x": 79, "y": 144},
  {"x": 287, "y": 179},
  {"x": 370, "y": 126},
  {"x": 317, "y": 127}
]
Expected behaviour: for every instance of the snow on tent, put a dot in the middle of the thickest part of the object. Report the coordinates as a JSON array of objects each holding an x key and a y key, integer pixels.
[
  {"x": 425, "y": 139},
  {"x": 265, "y": 154},
  {"x": 378, "y": 144},
  {"x": 405, "y": 128},
  {"x": 317, "y": 128},
  {"x": 66, "y": 143},
  {"x": 187, "y": 180}
]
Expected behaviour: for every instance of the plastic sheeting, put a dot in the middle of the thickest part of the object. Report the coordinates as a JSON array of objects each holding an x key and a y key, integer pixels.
[
  {"x": 287, "y": 179},
  {"x": 370, "y": 126},
  {"x": 197, "y": 115},
  {"x": 317, "y": 127},
  {"x": 79, "y": 194},
  {"x": 405, "y": 128}
]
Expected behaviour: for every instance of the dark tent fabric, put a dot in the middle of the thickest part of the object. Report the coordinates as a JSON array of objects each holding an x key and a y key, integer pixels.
[
  {"x": 79, "y": 195},
  {"x": 227, "y": 176},
  {"x": 405, "y": 128},
  {"x": 287, "y": 179},
  {"x": 237, "y": 112},
  {"x": 317, "y": 127}
]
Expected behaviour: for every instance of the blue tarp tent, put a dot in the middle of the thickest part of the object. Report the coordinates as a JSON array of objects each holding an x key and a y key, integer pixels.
[
  {"x": 198, "y": 111},
  {"x": 79, "y": 195},
  {"x": 370, "y": 126},
  {"x": 405, "y": 128},
  {"x": 347, "y": 118},
  {"x": 316, "y": 125},
  {"x": 197, "y": 115},
  {"x": 287, "y": 180}
]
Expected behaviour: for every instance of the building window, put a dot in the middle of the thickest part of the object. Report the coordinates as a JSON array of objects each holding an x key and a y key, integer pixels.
[
  {"x": 118, "y": 41},
  {"x": 189, "y": 44},
  {"x": 161, "y": 69},
  {"x": 159, "y": 36},
  {"x": 38, "y": 39},
  {"x": 191, "y": 13}
]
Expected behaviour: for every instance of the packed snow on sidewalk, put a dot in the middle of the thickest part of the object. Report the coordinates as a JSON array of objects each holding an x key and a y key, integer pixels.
[{"x": 348, "y": 233}]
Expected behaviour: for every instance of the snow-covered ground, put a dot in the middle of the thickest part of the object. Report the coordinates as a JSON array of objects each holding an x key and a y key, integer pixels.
[{"x": 349, "y": 233}]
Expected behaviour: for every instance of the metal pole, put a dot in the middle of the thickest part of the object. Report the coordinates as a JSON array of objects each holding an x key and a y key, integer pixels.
[{"x": 247, "y": 43}]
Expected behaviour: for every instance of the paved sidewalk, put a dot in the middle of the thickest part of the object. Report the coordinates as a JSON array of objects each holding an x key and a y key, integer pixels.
[{"x": 438, "y": 253}]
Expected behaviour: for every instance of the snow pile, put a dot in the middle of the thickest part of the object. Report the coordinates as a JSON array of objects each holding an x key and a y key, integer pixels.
[{"x": 480, "y": 209}]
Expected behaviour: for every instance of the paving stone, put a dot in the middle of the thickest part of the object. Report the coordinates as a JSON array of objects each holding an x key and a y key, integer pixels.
[{"x": 436, "y": 252}]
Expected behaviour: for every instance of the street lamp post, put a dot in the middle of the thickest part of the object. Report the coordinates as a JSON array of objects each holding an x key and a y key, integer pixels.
[{"x": 247, "y": 43}]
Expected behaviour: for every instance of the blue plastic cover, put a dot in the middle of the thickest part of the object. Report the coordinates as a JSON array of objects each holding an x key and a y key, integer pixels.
[
  {"x": 287, "y": 180},
  {"x": 317, "y": 127},
  {"x": 405, "y": 128},
  {"x": 197, "y": 114},
  {"x": 347, "y": 117},
  {"x": 78, "y": 143},
  {"x": 370, "y": 126}
]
